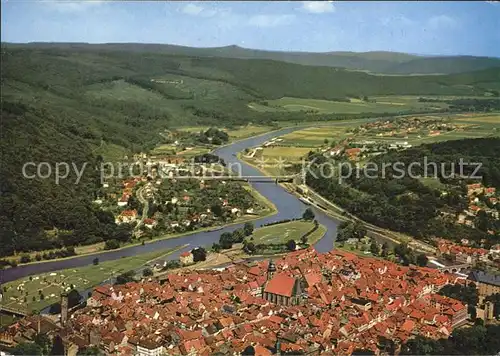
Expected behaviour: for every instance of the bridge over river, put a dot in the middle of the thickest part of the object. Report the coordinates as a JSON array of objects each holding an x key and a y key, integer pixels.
[{"x": 288, "y": 207}]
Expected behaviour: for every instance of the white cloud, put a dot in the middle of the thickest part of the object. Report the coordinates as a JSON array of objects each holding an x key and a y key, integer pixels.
[
  {"x": 270, "y": 20},
  {"x": 318, "y": 7},
  {"x": 72, "y": 6},
  {"x": 226, "y": 18},
  {"x": 398, "y": 20},
  {"x": 198, "y": 10},
  {"x": 442, "y": 21}
]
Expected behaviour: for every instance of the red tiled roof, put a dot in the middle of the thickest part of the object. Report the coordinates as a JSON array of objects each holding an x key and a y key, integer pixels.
[
  {"x": 408, "y": 325},
  {"x": 312, "y": 278},
  {"x": 262, "y": 351},
  {"x": 280, "y": 284},
  {"x": 129, "y": 213}
]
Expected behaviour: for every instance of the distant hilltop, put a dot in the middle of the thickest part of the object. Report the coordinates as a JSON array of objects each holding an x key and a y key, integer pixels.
[{"x": 382, "y": 62}]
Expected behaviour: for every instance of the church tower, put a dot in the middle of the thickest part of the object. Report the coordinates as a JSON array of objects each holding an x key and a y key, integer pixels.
[
  {"x": 64, "y": 308},
  {"x": 271, "y": 269}
]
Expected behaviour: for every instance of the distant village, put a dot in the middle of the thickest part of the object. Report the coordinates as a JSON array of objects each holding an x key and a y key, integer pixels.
[
  {"x": 480, "y": 199},
  {"x": 166, "y": 200}
]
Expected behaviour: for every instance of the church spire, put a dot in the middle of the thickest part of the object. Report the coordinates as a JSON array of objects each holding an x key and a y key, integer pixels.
[{"x": 271, "y": 268}]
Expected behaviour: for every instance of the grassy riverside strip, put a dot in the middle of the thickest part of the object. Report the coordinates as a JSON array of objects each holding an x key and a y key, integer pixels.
[
  {"x": 279, "y": 233},
  {"x": 82, "y": 278}
]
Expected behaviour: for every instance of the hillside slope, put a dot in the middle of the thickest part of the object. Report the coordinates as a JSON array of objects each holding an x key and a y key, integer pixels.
[
  {"x": 376, "y": 62},
  {"x": 59, "y": 105}
]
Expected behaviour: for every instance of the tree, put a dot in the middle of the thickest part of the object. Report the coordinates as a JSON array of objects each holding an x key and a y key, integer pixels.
[
  {"x": 250, "y": 248},
  {"x": 199, "y": 254},
  {"x": 226, "y": 240},
  {"x": 248, "y": 351},
  {"x": 25, "y": 258},
  {"x": 386, "y": 345},
  {"x": 95, "y": 261},
  {"x": 238, "y": 235},
  {"x": 147, "y": 272},
  {"x": 111, "y": 244},
  {"x": 216, "y": 247},
  {"x": 125, "y": 277},
  {"x": 385, "y": 250},
  {"x": 57, "y": 346},
  {"x": 291, "y": 245},
  {"x": 216, "y": 209},
  {"x": 374, "y": 249},
  {"x": 421, "y": 346},
  {"x": 308, "y": 214},
  {"x": 467, "y": 294},
  {"x": 27, "y": 348},
  {"x": 90, "y": 351},
  {"x": 43, "y": 341},
  {"x": 422, "y": 260},
  {"x": 248, "y": 228}
]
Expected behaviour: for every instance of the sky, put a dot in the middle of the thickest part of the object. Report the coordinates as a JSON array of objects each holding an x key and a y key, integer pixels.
[{"x": 419, "y": 27}]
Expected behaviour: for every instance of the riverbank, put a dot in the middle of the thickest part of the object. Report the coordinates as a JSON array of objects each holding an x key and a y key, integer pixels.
[
  {"x": 40, "y": 291},
  {"x": 287, "y": 207},
  {"x": 340, "y": 214},
  {"x": 274, "y": 234},
  {"x": 89, "y": 250}
]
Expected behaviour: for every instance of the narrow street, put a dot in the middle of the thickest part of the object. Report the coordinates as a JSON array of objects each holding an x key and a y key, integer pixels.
[{"x": 145, "y": 205}]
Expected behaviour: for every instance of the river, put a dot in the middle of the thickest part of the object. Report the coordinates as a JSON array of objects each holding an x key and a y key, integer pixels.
[{"x": 288, "y": 207}]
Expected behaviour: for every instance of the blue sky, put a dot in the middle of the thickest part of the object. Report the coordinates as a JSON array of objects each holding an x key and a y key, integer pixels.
[{"x": 443, "y": 28}]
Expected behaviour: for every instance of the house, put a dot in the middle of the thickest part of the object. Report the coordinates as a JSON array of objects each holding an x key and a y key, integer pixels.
[
  {"x": 489, "y": 191},
  {"x": 353, "y": 153},
  {"x": 336, "y": 151},
  {"x": 123, "y": 200},
  {"x": 474, "y": 209},
  {"x": 486, "y": 283},
  {"x": 476, "y": 188},
  {"x": 150, "y": 223},
  {"x": 149, "y": 348},
  {"x": 186, "y": 258},
  {"x": 127, "y": 216}
]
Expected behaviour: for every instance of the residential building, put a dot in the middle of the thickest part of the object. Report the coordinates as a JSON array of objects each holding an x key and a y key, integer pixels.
[
  {"x": 186, "y": 258},
  {"x": 486, "y": 283}
]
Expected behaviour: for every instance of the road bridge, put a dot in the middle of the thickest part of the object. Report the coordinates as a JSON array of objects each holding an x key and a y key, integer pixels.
[
  {"x": 13, "y": 311},
  {"x": 250, "y": 179},
  {"x": 457, "y": 268}
]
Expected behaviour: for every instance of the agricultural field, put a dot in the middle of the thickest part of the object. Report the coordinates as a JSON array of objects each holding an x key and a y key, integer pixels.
[
  {"x": 381, "y": 104},
  {"x": 473, "y": 126},
  {"x": 24, "y": 294},
  {"x": 281, "y": 233},
  {"x": 111, "y": 152},
  {"x": 292, "y": 154},
  {"x": 247, "y": 131},
  {"x": 315, "y": 136},
  {"x": 193, "y": 151}
]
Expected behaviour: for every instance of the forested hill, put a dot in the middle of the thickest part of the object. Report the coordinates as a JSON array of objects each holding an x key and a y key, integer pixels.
[
  {"x": 376, "y": 61},
  {"x": 60, "y": 105},
  {"x": 410, "y": 204}
]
